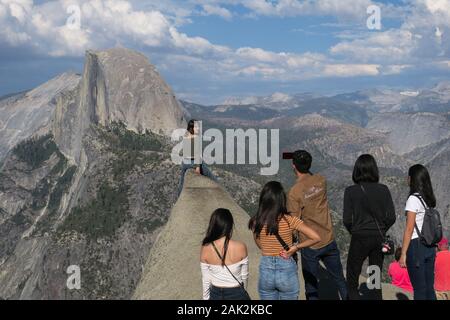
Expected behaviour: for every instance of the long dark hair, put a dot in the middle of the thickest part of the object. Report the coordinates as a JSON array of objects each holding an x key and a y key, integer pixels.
[
  {"x": 191, "y": 125},
  {"x": 420, "y": 182},
  {"x": 365, "y": 170},
  {"x": 221, "y": 225},
  {"x": 272, "y": 206}
]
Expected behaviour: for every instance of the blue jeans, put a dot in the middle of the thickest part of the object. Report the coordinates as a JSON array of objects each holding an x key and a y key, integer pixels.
[
  {"x": 331, "y": 258},
  {"x": 278, "y": 279},
  {"x": 420, "y": 261},
  {"x": 186, "y": 166}
]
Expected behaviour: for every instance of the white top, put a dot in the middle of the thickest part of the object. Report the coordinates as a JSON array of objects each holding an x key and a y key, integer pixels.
[
  {"x": 414, "y": 205},
  {"x": 219, "y": 276}
]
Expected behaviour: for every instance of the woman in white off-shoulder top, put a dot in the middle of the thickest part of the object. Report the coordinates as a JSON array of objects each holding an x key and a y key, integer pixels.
[{"x": 224, "y": 262}]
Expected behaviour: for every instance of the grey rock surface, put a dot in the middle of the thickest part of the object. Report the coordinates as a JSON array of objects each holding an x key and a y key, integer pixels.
[
  {"x": 118, "y": 85},
  {"x": 407, "y": 132},
  {"x": 24, "y": 114},
  {"x": 172, "y": 270}
]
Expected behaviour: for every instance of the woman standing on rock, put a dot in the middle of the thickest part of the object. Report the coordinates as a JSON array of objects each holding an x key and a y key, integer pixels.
[
  {"x": 192, "y": 151},
  {"x": 224, "y": 262},
  {"x": 272, "y": 227}
]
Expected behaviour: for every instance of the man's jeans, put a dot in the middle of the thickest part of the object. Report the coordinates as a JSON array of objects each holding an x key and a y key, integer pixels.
[
  {"x": 186, "y": 166},
  {"x": 330, "y": 257}
]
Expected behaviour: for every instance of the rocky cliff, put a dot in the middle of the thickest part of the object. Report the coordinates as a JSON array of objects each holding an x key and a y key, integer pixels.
[
  {"x": 87, "y": 178},
  {"x": 172, "y": 270},
  {"x": 118, "y": 85},
  {"x": 24, "y": 114}
]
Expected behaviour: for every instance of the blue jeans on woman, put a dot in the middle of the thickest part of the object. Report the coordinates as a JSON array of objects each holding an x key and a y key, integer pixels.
[
  {"x": 420, "y": 261},
  {"x": 278, "y": 279},
  {"x": 191, "y": 165}
]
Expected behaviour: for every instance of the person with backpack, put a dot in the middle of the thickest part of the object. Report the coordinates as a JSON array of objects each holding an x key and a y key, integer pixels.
[
  {"x": 308, "y": 201},
  {"x": 422, "y": 233},
  {"x": 272, "y": 228},
  {"x": 223, "y": 261},
  {"x": 368, "y": 214}
]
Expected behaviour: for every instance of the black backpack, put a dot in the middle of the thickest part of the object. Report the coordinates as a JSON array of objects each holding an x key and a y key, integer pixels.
[{"x": 431, "y": 232}]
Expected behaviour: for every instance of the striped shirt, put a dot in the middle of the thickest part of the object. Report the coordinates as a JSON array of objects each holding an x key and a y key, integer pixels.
[{"x": 270, "y": 245}]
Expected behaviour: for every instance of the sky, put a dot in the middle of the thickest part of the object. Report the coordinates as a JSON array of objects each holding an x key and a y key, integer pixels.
[{"x": 209, "y": 50}]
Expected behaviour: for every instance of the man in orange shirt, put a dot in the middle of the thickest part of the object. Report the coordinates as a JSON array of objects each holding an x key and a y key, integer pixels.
[{"x": 442, "y": 271}]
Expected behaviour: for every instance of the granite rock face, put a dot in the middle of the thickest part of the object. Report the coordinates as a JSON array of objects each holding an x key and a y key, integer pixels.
[
  {"x": 24, "y": 114},
  {"x": 85, "y": 178},
  {"x": 118, "y": 85}
]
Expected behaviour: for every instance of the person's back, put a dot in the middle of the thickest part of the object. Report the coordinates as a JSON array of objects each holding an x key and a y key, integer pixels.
[
  {"x": 223, "y": 261},
  {"x": 368, "y": 214},
  {"x": 272, "y": 227},
  {"x": 269, "y": 244},
  {"x": 442, "y": 271},
  {"x": 400, "y": 277},
  {"x": 308, "y": 200},
  {"x": 236, "y": 252},
  {"x": 358, "y": 213}
]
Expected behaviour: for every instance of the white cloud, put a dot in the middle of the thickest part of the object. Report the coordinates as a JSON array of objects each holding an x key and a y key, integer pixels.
[
  {"x": 395, "y": 69},
  {"x": 257, "y": 54},
  {"x": 217, "y": 10},
  {"x": 392, "y": 45},
  {"x": 351, "y": 70},
  {"x": 341, "y": 9}
]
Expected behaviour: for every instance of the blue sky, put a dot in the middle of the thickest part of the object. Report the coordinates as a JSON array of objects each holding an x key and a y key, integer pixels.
[{"x": 208, "y": 50}]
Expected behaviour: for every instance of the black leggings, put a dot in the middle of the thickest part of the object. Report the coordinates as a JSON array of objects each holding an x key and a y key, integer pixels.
[{"x": 362, "y": 247}]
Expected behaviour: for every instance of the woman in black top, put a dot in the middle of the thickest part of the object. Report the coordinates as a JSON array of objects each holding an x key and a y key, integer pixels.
[{"x": 362, "y": 201}]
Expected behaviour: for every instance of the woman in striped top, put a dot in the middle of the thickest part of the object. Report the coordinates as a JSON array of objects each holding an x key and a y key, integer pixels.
[{"x": 278, "y": 273}]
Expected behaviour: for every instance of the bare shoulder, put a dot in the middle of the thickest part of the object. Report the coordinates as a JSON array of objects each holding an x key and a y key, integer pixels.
[
  {"x": 204, "y": 252},
  {"x": 239, "y": 246}
]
